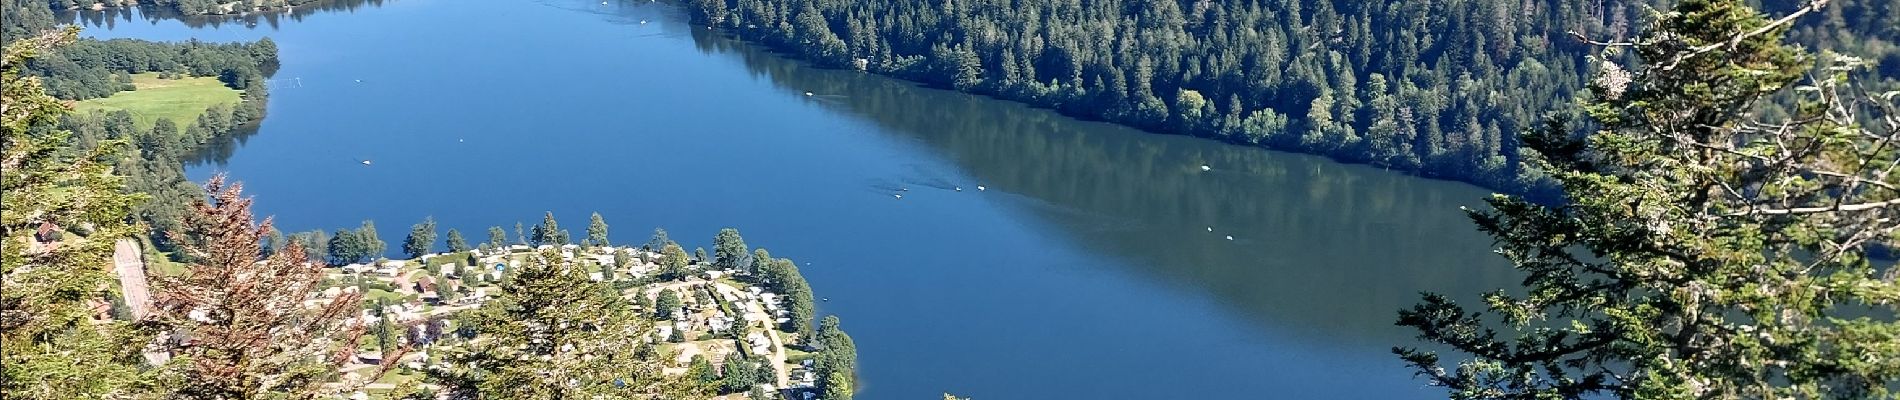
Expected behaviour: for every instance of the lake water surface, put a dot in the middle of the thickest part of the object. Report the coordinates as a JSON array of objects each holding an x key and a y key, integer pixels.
[{"x": 1085, "y": 270}]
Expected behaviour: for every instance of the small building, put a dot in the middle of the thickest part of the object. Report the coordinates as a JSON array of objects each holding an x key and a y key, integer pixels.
[
  {"x": 662, "y": 332},
  {"x": 425, "y": 284},
  {"x": 46, "y": 233}
]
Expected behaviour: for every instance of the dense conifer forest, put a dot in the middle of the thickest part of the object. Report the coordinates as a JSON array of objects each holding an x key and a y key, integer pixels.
[
  {"x": 90, "y": 68},
  {"x": 1433, "y": 87}
]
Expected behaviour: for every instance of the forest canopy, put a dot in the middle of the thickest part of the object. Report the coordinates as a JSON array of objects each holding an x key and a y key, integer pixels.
[
  {"x": 89, "y": 68},
  {"x": 1436, "y": 88}
]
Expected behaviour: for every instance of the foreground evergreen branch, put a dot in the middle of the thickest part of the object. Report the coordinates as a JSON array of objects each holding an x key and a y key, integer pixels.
[
  {"x": 552, "y": 333},
  {"x": 1708, "y": 249},
  {"x": 59, "y": 217}
]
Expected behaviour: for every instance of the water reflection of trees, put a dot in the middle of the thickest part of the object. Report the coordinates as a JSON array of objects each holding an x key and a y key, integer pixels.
[
  {"x": 220, "y": 148},
  {"x": 149, "y": 13},
  {"x": 1321, "y": 248}
]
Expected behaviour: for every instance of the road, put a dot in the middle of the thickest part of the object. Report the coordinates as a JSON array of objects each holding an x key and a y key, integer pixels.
[
  {"x": 778, "y": 347},
  {"x": 129, "y": 264}
]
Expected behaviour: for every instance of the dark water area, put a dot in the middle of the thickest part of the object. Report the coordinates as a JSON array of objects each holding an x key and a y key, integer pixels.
[{"x": 1096, "y": 262}]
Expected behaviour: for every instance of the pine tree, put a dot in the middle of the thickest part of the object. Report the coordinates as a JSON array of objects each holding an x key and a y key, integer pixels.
[
  {"x": 837, "y": 359},
  {"x": 741, "y": 373},
  {"x": 658, "y": 241},
  {"x": 1707, "y": 250},
  {"x": 673, "y": 263},
  {"x": 729, "y": 250},
  {"x": 53, "y": 349},
  {"x": 497, "y": 238},
  {"x": 250, "y": 334},
  {"x": 346, "y": 247},
  {"x": 373, "y": 244},
  {"x": 421, "y": 239},
  {"x": 547, "y": 233},
  {"x": 455, "y": 241},
  {"x": 597, "y": 231},
  {"x": 546, "y": 336},
  {"x": 757, "y": 262}
]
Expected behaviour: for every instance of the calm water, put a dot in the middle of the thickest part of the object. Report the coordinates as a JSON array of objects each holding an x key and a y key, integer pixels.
[{"x": 1085, "y": 271}]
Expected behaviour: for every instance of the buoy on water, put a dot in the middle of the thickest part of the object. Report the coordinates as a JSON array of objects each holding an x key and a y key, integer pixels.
[
  {"x": 1230, "y": 237},
  {"x": 899, "y": 196},
  {"x": 807, "y": 93},
  {"x": 365, "y": 162},
  {"x": 980, "y": 188},
  {"x": 959, "y": 188},
  {"x": 1210, "y": 229},
  {"x": 1205, "y": 168}
]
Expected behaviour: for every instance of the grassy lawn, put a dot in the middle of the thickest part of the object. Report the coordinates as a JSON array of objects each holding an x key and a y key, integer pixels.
[
  {"x": 395, "y": 377},
  {"x": 729, "y": 281},
  {"x": 400, "y": 375},
  {"x": 180, "y": 100},
  {"x": 158, "y": 263},
  {"x": 392, "y": 298},
  {"x": 449, "y": 258},
  {"x": 795, "y": 356}
]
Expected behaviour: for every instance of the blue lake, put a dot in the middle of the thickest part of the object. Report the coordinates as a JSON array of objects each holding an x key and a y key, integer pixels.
[{"x": 1086, "y": 269}]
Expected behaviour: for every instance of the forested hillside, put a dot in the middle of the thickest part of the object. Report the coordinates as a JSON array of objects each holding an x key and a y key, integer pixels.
[
  {"x": 90, "y": 68},
  {"x": 1433, "y": 87}
]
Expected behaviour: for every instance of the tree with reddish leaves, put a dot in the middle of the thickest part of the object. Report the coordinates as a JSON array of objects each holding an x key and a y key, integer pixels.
[{"x": 244, "y": 325}]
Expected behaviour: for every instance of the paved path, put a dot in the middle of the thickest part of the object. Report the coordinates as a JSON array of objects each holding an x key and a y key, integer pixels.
[
  {"x": 778, "y": 347},
  {"x": 129, "y": 264}
]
